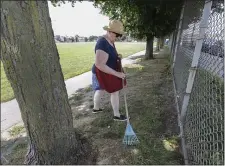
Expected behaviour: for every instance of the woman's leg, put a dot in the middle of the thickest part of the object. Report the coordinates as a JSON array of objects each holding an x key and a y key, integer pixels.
[
  {"x": 115, "y": 103},
  {"x": 97, "y": 99},
  {"x": 98, "y": 94}
]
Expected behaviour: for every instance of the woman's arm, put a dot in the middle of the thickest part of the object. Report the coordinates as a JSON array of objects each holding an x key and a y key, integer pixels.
[{"x": 100, "y": 63}]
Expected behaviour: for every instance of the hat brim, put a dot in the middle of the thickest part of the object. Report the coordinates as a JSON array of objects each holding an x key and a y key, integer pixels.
[{"x": 108, "y": 29}]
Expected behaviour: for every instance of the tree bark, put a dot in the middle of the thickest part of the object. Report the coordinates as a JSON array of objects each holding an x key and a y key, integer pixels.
[
  {"x": 149, "y": 48},
  {"x": 31, "y": 62}
]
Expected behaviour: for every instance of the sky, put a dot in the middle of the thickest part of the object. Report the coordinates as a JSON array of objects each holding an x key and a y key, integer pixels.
[{"x": 83, "y": 19}]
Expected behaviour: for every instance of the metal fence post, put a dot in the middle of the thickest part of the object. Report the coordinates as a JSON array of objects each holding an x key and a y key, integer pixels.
[
  {"x": 197, "y": 53},
  {"x": 174, "y": 39},
  {"x": 176, "y": 42},
  {"x": 178, "y": 34},
  {"x": 198, "y": 77},
  {"x": 171, "y": 41},
  {"x": 193, "y": 69}
]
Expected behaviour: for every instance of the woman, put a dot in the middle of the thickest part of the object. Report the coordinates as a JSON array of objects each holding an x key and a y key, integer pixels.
[{"x": 106, "y": 61}]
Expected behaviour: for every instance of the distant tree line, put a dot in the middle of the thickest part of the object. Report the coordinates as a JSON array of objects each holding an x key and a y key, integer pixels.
[{"x": 92, "y": 38}]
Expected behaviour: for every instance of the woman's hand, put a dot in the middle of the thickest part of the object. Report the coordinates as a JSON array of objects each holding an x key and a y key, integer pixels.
[
  {"x": 100, "y": 62},
  {"x": 120, "y": 55},
  {"x": 120, "y": 75}
]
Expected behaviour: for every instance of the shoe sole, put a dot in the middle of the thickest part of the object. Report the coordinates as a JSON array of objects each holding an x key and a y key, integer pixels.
[
  {"x": 97, "y": 112},
  {"x": 120, "y": 120}
]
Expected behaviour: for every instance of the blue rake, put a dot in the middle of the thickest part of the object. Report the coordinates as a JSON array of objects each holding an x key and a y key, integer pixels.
[{"x": 130, "y": 138}]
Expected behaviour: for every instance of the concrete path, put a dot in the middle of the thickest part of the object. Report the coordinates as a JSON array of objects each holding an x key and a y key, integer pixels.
[{"x": 10, "y": 111}]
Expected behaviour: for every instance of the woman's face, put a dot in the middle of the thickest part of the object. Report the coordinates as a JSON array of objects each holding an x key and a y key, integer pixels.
[{"x": 113, "y": 36}]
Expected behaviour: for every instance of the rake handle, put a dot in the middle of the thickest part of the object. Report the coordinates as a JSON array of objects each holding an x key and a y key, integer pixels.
[
  {"x": 125, "y": 100},
  {"x": 125, "y": 96}
]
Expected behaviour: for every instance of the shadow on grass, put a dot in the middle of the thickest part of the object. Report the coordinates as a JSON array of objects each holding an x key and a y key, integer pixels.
[
  {"x": 79, "y": 95},
  {"x": 136, "y": 57},
  {"x": 13, "y": 151},
  {"x": 155, "y": 56}
]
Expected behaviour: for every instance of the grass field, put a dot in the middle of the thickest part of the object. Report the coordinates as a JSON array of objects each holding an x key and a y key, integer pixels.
[{"x": 75, "y": 59}]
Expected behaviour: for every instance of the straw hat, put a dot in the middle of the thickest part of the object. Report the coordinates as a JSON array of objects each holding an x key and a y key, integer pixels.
[{"x": 115, "y": 26}]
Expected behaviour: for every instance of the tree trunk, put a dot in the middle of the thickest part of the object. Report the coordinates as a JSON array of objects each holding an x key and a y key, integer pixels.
[
  {"x": 149, "y": 48},
  {"x": 31, "y": 62},
  {"x": 161, "y": 42},
  {"x": 158, "y": 45}
]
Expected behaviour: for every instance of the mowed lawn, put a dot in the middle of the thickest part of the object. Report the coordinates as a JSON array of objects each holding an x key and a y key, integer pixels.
[{"x": 75, "y": 59}]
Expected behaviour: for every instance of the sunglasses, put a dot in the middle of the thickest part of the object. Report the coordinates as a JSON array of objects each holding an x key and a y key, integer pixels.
[{"x": 117, "y": 35}]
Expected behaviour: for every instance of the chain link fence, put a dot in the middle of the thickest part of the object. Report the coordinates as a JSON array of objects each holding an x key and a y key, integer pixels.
[{"x": 202, "y": 124}]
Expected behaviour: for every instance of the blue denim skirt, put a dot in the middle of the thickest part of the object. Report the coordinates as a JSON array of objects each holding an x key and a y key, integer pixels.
[{"x": 95, "y": 83}]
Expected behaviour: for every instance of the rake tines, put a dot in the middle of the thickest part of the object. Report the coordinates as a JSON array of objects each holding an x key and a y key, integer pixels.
[{"x": 130, "y": 137}]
